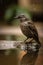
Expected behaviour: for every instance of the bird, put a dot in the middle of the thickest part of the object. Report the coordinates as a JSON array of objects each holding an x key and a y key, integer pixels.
[{"x": 28, "y": 28}]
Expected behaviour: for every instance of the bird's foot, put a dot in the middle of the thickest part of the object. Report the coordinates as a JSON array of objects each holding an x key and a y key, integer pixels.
[{"x": 29, "y": 40}]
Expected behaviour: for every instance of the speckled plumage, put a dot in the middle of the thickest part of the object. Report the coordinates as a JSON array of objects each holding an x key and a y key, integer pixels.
[{"x": 28, "y": 28}]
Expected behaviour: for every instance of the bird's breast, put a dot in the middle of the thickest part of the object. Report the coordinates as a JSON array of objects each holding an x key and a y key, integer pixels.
[{"x": 25, "y": 29}]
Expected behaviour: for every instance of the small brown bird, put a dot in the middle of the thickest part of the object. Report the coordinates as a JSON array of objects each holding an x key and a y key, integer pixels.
[{"x": 28, "y": 28}]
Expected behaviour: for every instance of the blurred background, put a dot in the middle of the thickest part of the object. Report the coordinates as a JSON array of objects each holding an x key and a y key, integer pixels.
[{"x": 10, "y": 28}]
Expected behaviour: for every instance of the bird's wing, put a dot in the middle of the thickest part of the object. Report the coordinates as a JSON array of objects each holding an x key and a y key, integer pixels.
[
  {"x": 33, "y": 28},
  {"x": 34, "y": 33}
]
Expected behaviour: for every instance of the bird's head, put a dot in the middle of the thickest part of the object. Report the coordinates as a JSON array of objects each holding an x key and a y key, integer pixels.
[{"x": 22, "y": 17}]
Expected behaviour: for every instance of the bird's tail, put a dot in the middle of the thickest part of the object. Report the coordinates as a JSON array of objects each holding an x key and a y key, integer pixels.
[
  {"x": 37, "y": 40},
  {"x": 39, "y": 43}
]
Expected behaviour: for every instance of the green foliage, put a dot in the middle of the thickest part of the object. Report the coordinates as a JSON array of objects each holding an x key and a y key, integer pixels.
[
  {"x": 10, "y": 11},
  {"x": 14, "y": 10},
  {"x": 20, "y": 10}
]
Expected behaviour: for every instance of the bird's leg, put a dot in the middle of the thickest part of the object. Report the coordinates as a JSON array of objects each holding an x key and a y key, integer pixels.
[
  {"x": 28, "y": 40},
  {"x": 25, "y": 40}
]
